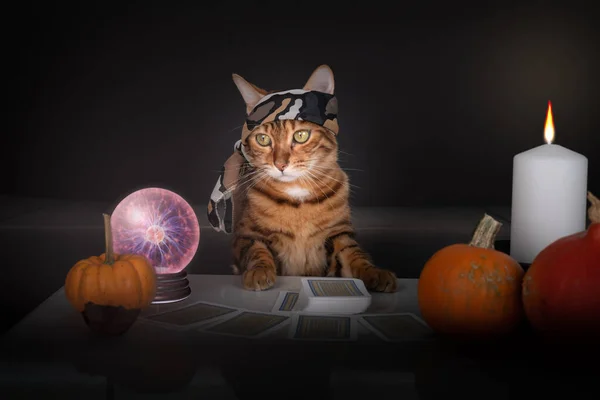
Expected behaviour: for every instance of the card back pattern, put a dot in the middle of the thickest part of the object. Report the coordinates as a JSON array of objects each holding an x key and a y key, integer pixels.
[
  {"x": 322, "y": 327},
  {"x": 334, "y": 288}
]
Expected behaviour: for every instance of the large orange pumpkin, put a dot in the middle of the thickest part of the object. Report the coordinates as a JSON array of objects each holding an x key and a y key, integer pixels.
[
  {"x": 472, "y": 289},
  {"x": 111, "y": 289},
  {"x": 561, "y": 289}
]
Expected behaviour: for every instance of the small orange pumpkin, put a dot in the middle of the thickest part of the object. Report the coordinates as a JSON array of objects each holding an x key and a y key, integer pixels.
[
  {"x": 105, "y": 288},
  {"x": 472, "y": 289}
]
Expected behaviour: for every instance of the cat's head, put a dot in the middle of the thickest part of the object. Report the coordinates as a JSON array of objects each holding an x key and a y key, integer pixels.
[{"x": 284, "y": 144}]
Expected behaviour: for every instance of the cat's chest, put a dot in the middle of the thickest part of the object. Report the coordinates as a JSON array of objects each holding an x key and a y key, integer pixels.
[
  {"x": 297, "y": 193},
  {"x": 301, "y": 257},
  {"x": 299, "y": 213},
  {"x": 306, "y": 219},
  {"x": 301, "y": 249}
]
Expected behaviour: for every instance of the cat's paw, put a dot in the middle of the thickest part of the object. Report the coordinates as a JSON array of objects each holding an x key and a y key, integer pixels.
[
  {"x": 379, "y": 280},
  {"x": 258, "y": 278}
]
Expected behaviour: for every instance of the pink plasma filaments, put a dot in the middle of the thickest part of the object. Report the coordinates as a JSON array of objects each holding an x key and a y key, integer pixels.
[{"x": 159, "y": 225}]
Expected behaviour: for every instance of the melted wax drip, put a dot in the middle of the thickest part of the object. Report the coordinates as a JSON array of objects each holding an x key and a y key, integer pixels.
[{"x": 158, "y": 224}]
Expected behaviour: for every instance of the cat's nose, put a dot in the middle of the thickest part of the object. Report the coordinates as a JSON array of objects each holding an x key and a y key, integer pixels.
[{"x": 281, "y": 166}]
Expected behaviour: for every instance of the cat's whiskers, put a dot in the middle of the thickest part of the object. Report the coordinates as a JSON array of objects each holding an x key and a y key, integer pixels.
[
  {"x": 321, "y": 170},
  {"x": 250, "y": 184},
  {"x": 244, "y": 178},
  {"x": 313, "y": 178},
  {"x": 323, "y": 181},
  {"x": 263, "y": 177},
  {"x": 344, "y": 169},
  {"x": 345, "y": 152},
  {"x": 325, "y": 174},
  {"x": 313, "y": 162},
  {"x": 237, "y": 127},
  {"x": 248, "y": 179}
]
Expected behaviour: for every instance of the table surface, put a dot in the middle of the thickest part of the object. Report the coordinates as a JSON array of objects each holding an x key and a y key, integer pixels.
[
  {"x": 55, "y": 336},
  {"x": 56, "y": 314},
  {"x": 53, "y": 346},
  {"x": 227, "y": 290}
]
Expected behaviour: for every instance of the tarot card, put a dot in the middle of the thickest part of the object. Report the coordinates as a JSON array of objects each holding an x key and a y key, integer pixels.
[
  {"x": 323, "y": 327},
  {"x": 191, "y": 316},
  {"x": 334, "y": 287},
  {"x": 397, "y": 327},
  {"x": 286, "y": 301},
  {"x": 248, "y": 324},
  {"x": 334, "y": 296}
]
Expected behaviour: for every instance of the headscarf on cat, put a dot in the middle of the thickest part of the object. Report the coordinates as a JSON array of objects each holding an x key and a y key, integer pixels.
[{"x": 307, "y": 104}]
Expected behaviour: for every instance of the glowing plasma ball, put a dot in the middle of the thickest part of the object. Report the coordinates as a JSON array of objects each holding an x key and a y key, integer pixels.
[{"x": 158, "y": 224}]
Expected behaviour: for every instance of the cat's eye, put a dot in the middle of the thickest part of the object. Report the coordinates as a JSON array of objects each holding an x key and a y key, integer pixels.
[
  {"x": 301, "y": 136},
  {"x": 263, "y": 139}
]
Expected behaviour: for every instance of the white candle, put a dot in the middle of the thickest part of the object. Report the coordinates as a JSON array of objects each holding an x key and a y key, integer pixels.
[{"x": 548, "y": 196}]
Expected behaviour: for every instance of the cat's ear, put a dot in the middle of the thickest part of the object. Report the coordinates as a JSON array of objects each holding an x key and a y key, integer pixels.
[
  {"x": 321, "y": 80},
  {"x": 251, "y": 94}
]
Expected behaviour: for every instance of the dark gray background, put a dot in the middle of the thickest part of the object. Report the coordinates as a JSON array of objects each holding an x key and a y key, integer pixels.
[{"x": 435, "y": 100}]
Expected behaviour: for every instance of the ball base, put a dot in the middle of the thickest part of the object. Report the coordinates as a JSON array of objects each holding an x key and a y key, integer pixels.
[
  {"x": 171, "y": 288},
  {"x": 109, "y": 320}
]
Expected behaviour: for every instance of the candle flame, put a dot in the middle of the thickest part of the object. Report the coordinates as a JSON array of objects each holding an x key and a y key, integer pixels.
[{"x": 549, "y": 128}]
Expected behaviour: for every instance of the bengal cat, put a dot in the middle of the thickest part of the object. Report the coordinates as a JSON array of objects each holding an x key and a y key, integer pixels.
[{"x": 296, "y": 218}]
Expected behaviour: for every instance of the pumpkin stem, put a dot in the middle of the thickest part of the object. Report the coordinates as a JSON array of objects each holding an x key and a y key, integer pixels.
[
  {"x": 110, "y": 257},
  {"x": 485, "y": 233},
  {"x": 594, "y": 210}
]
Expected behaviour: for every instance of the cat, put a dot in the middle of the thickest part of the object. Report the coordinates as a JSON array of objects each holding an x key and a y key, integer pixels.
[{"x": 296, "y": 218}]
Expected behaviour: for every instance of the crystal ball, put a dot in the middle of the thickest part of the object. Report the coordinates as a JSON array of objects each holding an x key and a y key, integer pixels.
[{"x": 158, "y": 224}]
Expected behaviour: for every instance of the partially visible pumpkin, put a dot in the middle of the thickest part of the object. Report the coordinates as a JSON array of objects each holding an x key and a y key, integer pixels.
[
  {"x": 561, "y": 289},
  {"x": 110, "y": 290},
  {"x": 472, "y": 289}
]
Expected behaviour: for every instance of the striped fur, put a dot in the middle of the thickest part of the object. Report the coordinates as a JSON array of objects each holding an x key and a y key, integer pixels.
[{"x": 300, "y": 225}]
